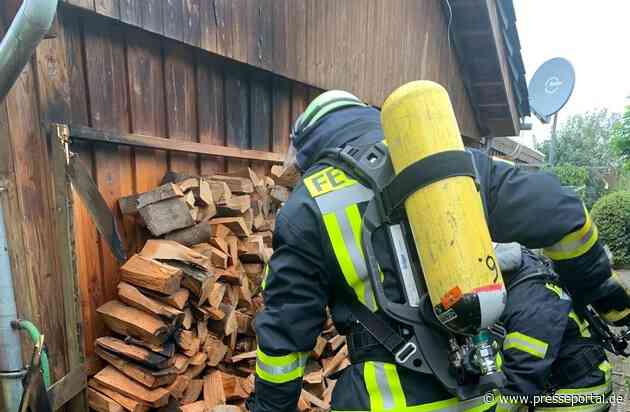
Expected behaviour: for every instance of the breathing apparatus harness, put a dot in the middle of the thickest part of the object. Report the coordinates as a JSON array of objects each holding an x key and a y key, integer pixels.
[{"x": 464, "y": 364}]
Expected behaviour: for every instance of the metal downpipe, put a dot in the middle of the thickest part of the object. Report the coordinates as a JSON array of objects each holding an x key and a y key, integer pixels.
[
  {"x": 10, "y": 350},
  {"x": 29, "y": 26}
]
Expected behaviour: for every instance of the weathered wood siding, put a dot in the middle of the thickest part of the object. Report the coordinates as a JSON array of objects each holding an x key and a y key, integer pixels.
[
  {"x": 108, "y": 75},
  {"x": 369, "y": 47}
]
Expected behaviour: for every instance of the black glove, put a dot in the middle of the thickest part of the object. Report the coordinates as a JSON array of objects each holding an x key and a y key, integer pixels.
[{"x": 612, "y": 301}]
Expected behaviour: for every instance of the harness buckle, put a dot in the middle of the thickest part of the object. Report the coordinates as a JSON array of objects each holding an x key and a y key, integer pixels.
[{"x": 405, "y": 352}]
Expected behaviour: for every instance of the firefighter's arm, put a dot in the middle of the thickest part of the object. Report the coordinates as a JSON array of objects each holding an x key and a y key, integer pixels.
[
  {"x": 535, "y": 319},
  {"x": 293, "y": 316},
  {"x": 532, "y": 208}
]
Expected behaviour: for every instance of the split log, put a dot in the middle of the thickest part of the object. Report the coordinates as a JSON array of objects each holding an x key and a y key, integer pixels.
[
  {"x": 314, "y": 400},
  {"x": 178, "y": 387},
  {"x": 232, "y": 275},
  {"x": 189, "y": 197},
  {"x": 171, "y": 250},
  {"x": 164, "y": 192},
  {"x": 101, "y": 403},
  {"x": 213, "y": 393},
  {"x": 177, "y": 299},
  {"x": 189, "y": 183},
  {"x": 127, "y": 320},
  {"x": 148, "y": 378},
  {"x": 244, "y": 322},
  {"x": 219, "y": 242},
  {"x": 199, "y": 282},
  {"x": 234, "y": 387},
  {"x": 193, "y": 391},
  {"x": 133, "y": 297},
  {"x": 217, "y": 257},
  {"x": 217, "y": 293},
  {"x": 336, "y": 342},
  {"x": 236, "y": 224},
  {"x": 251, "y": 249},
  {"x": 115, "y": 380},
  {"x": 135, "y": 353},
  {"x": 203, "y": 193},
  {"x": 180, "y": 363},
  {"x": 199, "y": 406},
  {"x": 320, "y": 345},
  {"x": 235, "y": 206},
  {"x": 166, "y": 216},
  {"x": 151, "y": 274},
  {"x": 239, "y": 185},
  {"x": 216, "y": 350},
  {"x": 243, "y": 356},
  {"x": 201, "y": 232},
  {"x": 206, "y": 213},
  {"x": 188, "y": 342},
  {"x": 333, "y": 365},
  {"x": 194, "y": 371},
  {"x": 279, "y": 194},
  {"x": 167, "y": 349},
  {"x": 199, "y": 359},
  {"x": 127, "y": 403},
  {"x": 220, "y": 191},
  {"x": 128, "y": 204},
  {"x": 288, "y": 177}
]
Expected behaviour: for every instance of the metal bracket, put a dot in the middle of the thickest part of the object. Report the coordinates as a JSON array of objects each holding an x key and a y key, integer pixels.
[{"x": 63, "y": 135}]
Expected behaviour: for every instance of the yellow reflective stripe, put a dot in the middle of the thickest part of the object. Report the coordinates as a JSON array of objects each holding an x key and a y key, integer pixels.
[
  {"x": 383, "y": 387},
  {"x": 263, "y": 285},
  {"x": 400, "y": 401},
  {"x": 344, "y": 258},
  {"x": 576, "y": 243},
  {"x": 327, "y": 180},
  {"x": 524, "y": 343},
  {"x": 447, "y": 405},
  {"x": 581, "y": 324},
  {"x": 280, "y": 369}
]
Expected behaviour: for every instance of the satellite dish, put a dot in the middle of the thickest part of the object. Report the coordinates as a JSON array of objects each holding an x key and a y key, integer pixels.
[{"x": 551, "y": 87}]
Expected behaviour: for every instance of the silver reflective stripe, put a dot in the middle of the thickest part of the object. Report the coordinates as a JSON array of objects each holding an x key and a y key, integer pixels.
[
  {"x": 402, "y": 257},
  {"x": 338, "y": 200},
  {"x": 383, "y": 385},
  {"x": 356, "y": 255},
  {"x": 568, "y": 247},
  {"x": 281, "y": 370}
]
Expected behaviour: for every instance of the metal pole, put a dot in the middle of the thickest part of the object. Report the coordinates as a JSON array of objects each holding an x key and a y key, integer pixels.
[
  {"x": 552, "y": 149},
  {"x": 29, "y": 26},
  {"x": 10, "y": 348}
]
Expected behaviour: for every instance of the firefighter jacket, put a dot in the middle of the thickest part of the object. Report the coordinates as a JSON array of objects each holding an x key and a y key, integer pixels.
[
  {"x": 317, "y": 242},
  {"x": 549, "y": 356}
]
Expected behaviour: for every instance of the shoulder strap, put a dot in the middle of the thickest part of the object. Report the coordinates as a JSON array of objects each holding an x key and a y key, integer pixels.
[{"x": 377, "y": 327}]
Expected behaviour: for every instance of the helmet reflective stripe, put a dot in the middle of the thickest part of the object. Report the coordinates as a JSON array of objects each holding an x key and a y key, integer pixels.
[{"x": 323, "y": 104}]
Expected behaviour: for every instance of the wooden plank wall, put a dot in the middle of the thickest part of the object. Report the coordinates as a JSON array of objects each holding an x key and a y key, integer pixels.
[
  {"x": 369, "y": 47},
  {"x": 106, "y": 74}
]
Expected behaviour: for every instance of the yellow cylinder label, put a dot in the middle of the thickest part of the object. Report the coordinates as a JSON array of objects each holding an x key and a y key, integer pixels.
[{"x": 446, "y": 217}]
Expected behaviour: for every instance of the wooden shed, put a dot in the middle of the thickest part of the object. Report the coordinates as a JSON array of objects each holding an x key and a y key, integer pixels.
[{"x": 200, "y": 86}]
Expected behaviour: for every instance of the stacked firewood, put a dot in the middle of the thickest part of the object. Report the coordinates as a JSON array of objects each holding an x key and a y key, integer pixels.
[{"x": 182, "y": 335}]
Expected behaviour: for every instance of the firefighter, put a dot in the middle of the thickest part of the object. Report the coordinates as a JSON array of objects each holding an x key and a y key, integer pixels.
[
  {"x": 317, "y": 245},
  {"x": 549, "y": 357}
]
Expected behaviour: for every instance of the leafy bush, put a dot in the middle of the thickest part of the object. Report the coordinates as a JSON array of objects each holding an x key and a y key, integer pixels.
[
  {"x": 611, "y": 214},
  {"x": 580, "y": 178},
  {"x": 571, "y": 175}
]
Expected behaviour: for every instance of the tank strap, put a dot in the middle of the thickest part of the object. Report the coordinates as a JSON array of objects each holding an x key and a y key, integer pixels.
[{"x": 422, "y": 173}]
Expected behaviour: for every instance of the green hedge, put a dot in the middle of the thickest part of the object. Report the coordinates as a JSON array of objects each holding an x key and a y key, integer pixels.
[{"x": 611, "y": 214}]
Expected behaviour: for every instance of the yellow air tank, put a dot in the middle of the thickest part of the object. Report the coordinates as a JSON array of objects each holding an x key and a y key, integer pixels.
[{"x": 446, "y": 217}]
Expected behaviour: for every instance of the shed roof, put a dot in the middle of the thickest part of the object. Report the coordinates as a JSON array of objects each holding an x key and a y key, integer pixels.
[{"x": 489, "y": 49}]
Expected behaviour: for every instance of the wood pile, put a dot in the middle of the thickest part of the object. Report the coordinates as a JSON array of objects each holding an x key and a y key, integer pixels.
[{"x": 182, "y": 327}]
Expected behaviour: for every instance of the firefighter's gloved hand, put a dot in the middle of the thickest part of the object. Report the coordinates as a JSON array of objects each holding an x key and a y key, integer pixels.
[{"x": 612, "y": 301}]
